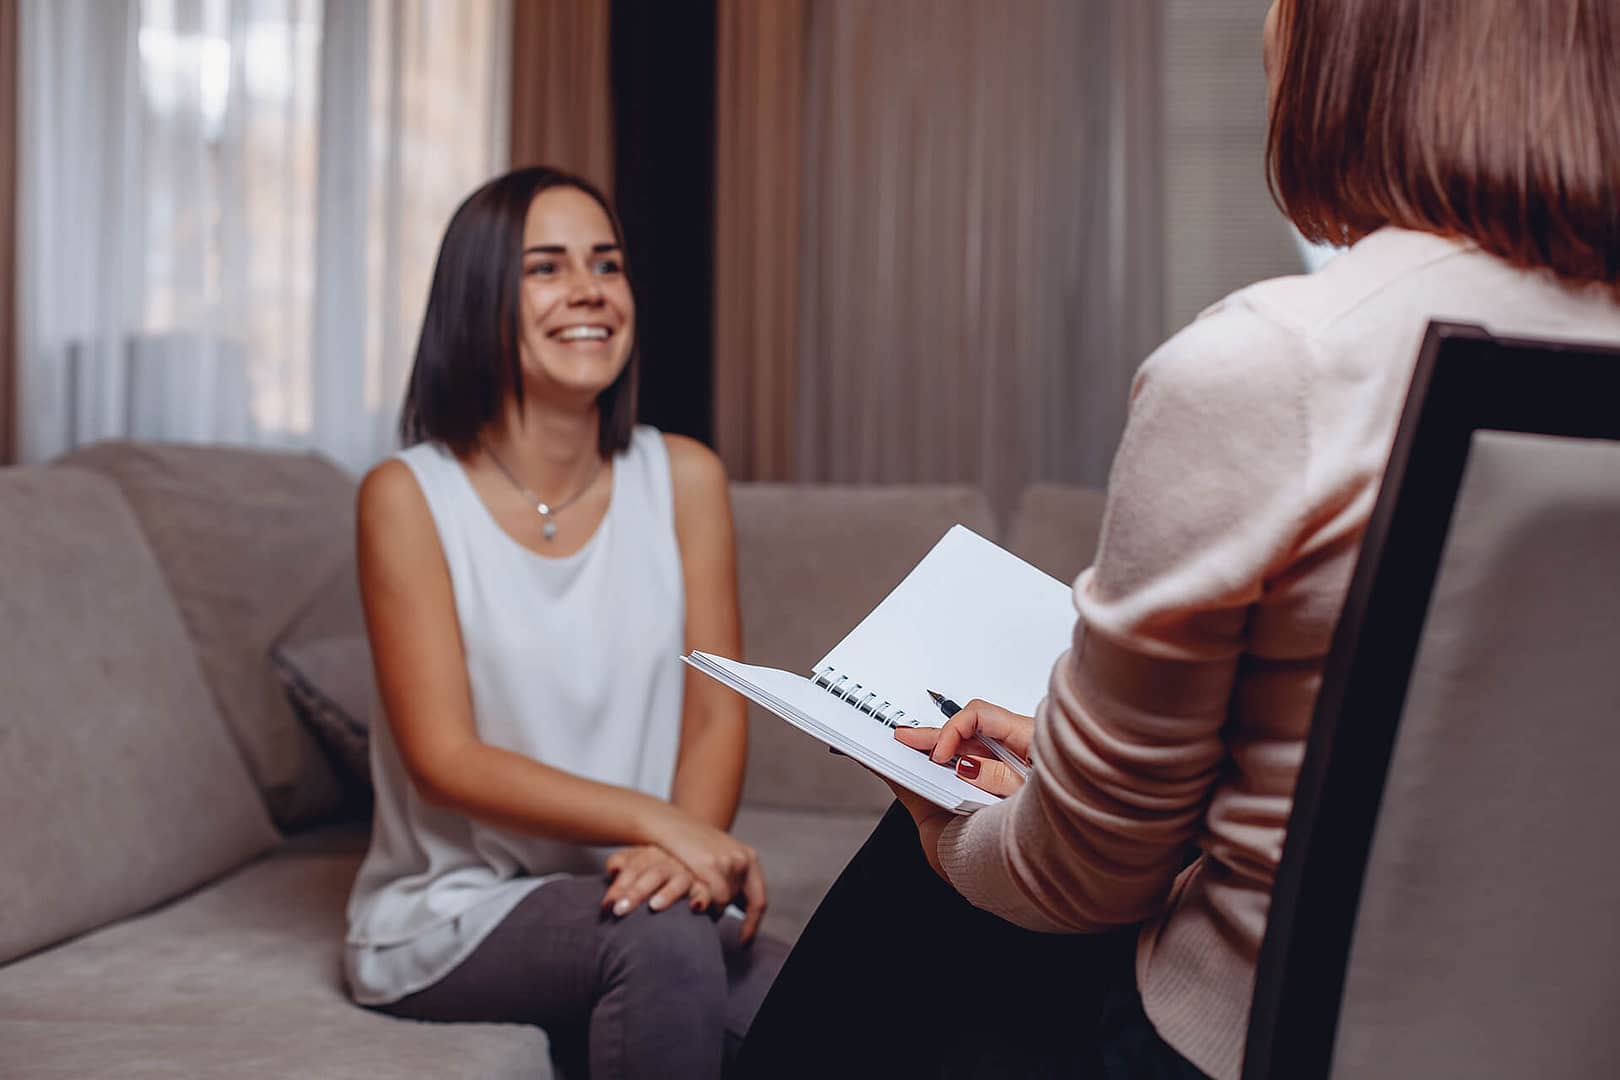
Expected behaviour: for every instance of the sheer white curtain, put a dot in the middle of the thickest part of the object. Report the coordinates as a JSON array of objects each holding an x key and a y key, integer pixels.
[
  {"x": 982, "y": 238},
  {"x": 230, "y": 208}
]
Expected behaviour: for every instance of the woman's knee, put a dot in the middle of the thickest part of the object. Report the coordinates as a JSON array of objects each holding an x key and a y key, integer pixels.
[{"x": 675, "y": 946}]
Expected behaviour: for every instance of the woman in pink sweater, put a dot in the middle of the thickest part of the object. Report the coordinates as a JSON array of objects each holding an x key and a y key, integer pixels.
[{"x": 1105, "y": 919}]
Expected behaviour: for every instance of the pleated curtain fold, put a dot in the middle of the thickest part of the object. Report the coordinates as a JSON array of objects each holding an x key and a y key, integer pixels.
[
  {"x": 759, "y": 125},
  {"x": 940, "y": 246},
  {"x": 562, "y": 101}
]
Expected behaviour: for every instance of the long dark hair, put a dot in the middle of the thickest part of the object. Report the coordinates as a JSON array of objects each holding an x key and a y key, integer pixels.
[{"x": 467, "y": 358}]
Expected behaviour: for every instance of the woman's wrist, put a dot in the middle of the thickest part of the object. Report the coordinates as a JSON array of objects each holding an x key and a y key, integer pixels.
[
  {"x": 653, "y": 822},
  {"x": 707, "y": 807}
]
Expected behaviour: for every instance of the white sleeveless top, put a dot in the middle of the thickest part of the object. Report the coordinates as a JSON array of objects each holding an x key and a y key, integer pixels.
[{"x": 572, "y": 661}]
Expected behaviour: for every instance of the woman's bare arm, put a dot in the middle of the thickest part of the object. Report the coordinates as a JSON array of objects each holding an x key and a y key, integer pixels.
[{"x": 714, "y": 720}]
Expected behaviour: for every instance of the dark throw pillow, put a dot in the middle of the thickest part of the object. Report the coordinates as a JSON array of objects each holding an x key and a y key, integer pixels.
[{"x": 328, "y": 682}]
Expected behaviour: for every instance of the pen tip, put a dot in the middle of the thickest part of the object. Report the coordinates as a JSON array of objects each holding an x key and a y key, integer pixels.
[{"x": 936, "y": 696}]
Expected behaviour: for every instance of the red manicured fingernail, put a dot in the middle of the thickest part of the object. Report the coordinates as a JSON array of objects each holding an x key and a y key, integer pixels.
[{"x": 967, "y": 768}]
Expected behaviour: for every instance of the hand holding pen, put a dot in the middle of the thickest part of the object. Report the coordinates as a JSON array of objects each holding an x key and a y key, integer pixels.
[{"x": 978, "y": 726}]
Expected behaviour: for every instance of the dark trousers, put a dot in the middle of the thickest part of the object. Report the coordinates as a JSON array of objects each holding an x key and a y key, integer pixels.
[
  {"x": 649, "y": 995},
  {"x": 898, "y": 976}
]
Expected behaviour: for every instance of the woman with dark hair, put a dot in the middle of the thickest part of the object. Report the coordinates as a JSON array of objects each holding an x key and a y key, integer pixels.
[
  {"x": 532, "y": 566},
  {"x": 1105, "y": 919}
]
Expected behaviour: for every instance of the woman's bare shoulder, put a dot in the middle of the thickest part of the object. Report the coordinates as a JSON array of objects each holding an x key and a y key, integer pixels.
[
  {"x": 390, "y": 508},
  {"x": 696, "y": 471}
]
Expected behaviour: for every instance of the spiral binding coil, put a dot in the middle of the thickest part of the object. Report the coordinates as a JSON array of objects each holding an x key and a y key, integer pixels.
[{"x": 867, "y": 701}]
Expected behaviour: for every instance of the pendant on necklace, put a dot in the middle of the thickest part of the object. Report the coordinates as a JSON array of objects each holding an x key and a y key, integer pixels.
[{"x": 549, "y": 528}]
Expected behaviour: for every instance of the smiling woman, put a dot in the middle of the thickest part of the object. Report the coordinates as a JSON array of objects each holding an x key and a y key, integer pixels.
[
  {"x": 532, "y": 567},
  {"x": 465, "y": 365},
  {"x": 578, "y": 313}
]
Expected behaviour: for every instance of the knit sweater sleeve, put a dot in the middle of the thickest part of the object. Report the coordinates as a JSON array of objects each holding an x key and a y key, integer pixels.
[{"x": 1205, "y": 503}]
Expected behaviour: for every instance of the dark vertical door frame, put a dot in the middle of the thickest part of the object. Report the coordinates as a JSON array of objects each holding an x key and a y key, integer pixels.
[{"x": 663, "y": 57}]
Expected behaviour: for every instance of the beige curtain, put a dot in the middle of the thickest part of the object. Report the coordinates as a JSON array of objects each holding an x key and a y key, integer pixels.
[
  {"x": 562, "y": 107},
  {"x": 8, "y": 231},
  {"x": 981, "y": 238},
  {"x": 759, "y": 134}
]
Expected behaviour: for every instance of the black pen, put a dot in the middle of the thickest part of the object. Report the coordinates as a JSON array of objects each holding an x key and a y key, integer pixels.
[{"x": 1014, "y": 762}]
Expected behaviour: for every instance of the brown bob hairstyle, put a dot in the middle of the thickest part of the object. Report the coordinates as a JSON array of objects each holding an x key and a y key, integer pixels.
[
  {"x": 467, "y": 358},
  {"x": 1495, "y": 121}
]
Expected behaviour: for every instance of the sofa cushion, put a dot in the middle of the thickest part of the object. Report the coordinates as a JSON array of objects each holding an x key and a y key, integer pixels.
[
  {"x": 334, "y": 610},
  {"x": 245, "y": 537},
  {"x": 240, "y": 979},
  {"x": 119, "y": 784},
  {"x": 372, "y": 1048},
  {"x": 1055, "y": 527},
  {"x": 812, "y": 561}
]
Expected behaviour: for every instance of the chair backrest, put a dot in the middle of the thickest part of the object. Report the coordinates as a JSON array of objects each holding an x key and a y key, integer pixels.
[{"x": 1447, "y": 904}]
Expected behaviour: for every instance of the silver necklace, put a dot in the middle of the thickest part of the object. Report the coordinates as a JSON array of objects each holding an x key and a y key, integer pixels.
[{"x": 547, "y": 511}]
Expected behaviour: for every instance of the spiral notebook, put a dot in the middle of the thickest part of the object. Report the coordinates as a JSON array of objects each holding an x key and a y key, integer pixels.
[{"x": 970, "y": 620}]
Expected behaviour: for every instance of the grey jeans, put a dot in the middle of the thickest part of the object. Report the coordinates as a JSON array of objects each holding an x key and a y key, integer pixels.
[{"x": 666, "y": 994}]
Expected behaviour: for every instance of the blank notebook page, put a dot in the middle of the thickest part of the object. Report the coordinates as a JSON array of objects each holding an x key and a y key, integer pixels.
[{"x": 970, "y": 621}]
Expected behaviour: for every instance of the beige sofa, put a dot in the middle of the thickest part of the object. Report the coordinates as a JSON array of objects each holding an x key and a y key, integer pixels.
[{"x": 176, "y": 848}]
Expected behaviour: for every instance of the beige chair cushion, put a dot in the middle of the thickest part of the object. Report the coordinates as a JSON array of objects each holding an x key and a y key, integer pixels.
[
  {"x": 1485, "y": 941},
  {"x": 812, "y": 561},
  {"x": 245, "y": 537},
  {"x": 119, "y": 784}
]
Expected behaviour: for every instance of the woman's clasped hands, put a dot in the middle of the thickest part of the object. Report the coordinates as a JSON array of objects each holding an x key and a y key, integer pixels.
[{"x": 692, "y": 860}]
